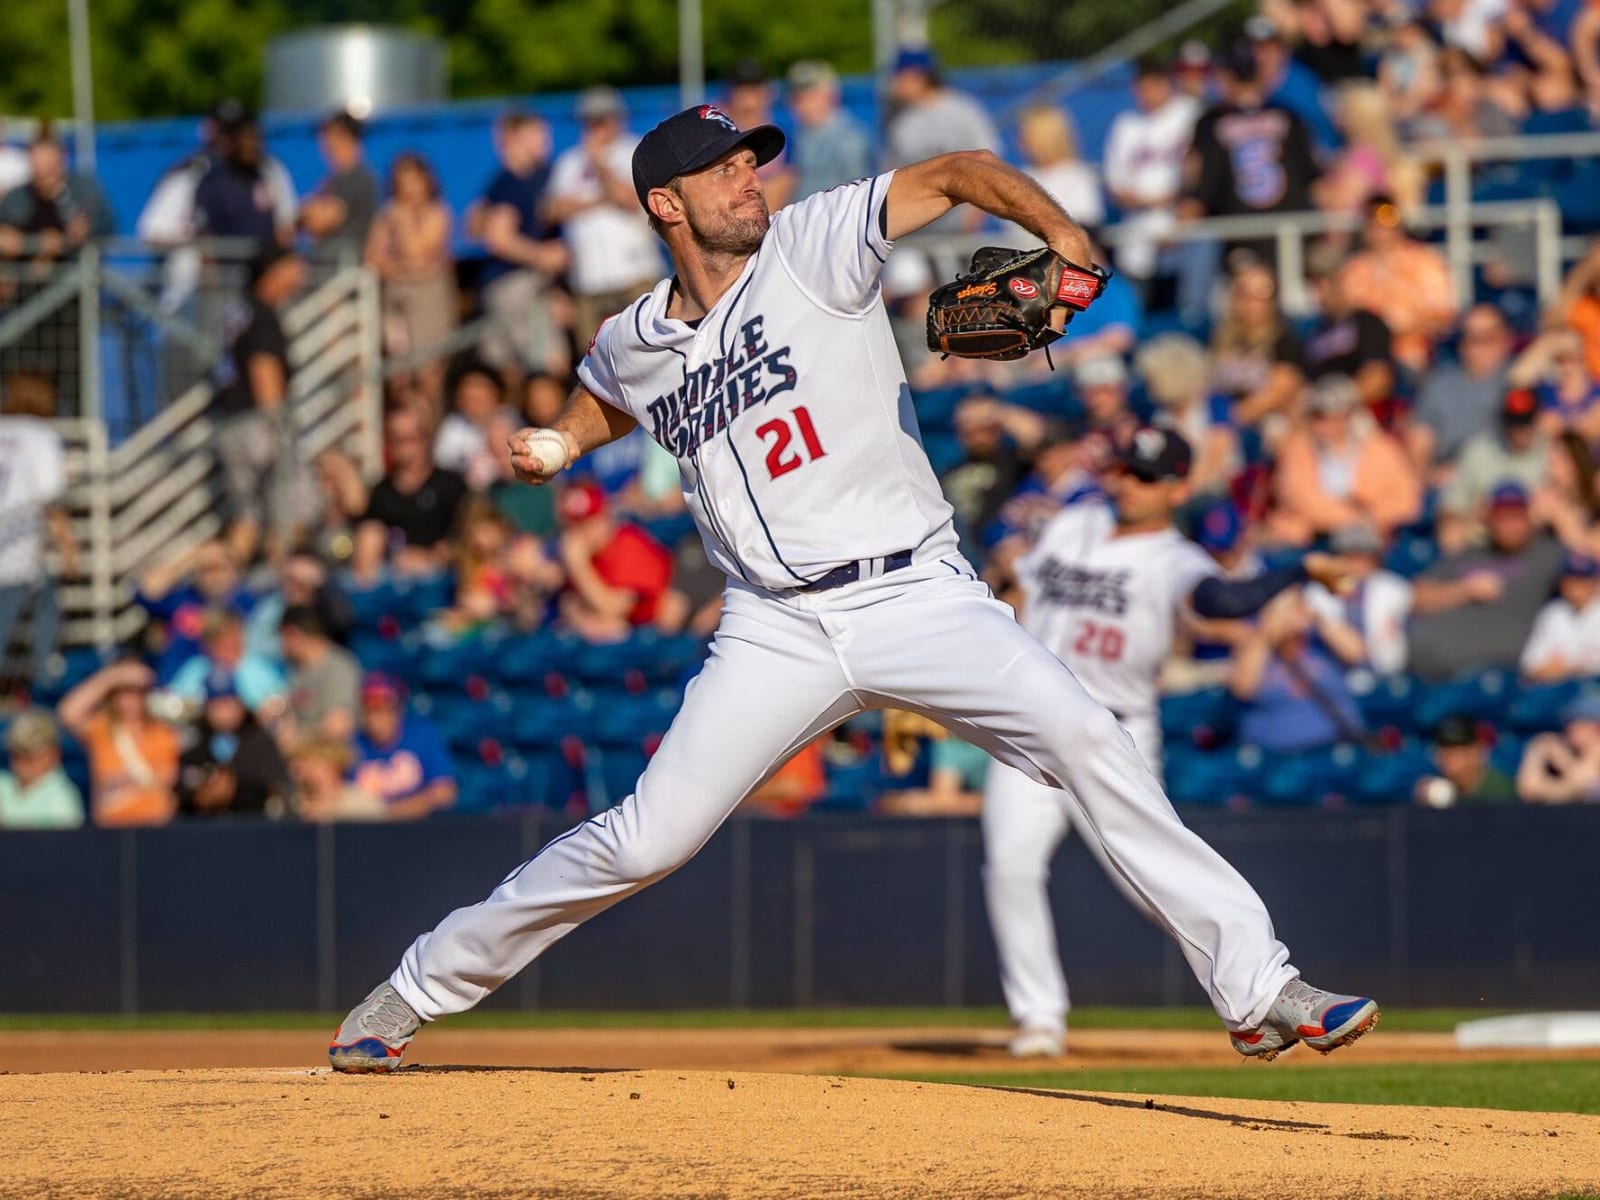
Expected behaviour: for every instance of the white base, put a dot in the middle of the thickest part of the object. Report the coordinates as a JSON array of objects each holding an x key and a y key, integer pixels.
[{"x": 1531, "y": 1031}]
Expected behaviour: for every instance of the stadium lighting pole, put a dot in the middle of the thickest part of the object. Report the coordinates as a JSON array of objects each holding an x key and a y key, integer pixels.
[
  {"x": 691, "y": 55},
  {"x": 82, "y": 83}
]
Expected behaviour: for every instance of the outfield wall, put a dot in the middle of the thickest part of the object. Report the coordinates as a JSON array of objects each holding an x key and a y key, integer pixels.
[{"x": 1493, "y": 906}]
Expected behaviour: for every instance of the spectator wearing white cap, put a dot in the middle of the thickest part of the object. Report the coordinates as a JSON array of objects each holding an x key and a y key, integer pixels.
[
  {"x": 35, "y": 792},
  {"x": 1378, "y": 603},
  {"x": 615, "y": 258},
  {"x": 1565, "y": 642},
  {"x": 829, "y": 146}
]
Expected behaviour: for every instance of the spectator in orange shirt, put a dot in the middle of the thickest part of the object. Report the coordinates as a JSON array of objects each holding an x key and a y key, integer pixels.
[
  {"x": 1340, "y": 469},
  {"x": 1404, "y": 281},
  {"x": 618, "y": 576},
  {"x": 1579, "y": 304},
  {"x": 133, "y": 755}
]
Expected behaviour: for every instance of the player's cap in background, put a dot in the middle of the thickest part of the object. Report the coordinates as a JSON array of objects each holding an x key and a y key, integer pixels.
[
  {"x": 1508, "y": 494},
  {"x": 1359, "y": 537},
  {"x": 696, "y": 138},
  {"x": 1521, "y": 407},
  {"x": 1261, "y": 29},
  {"x": 1219, "y": 528},
  {"x": 1103, "y": 370},
  {"x": 601, "y": 104},
  {"x": 747, "y": 72},
  {"x": 1156, "y": 456},
  {"x": 1333, "y": 394},
  {"x": 1193, "y": 55},
  {"x": 31, "y": 731},
  {"x": 916, "y": 58},
  {"x": 230, "y": 115},
  {"x": 1456, "y": 730},
  {"x": 581, "y": 501},
  {"x": 811, "y": 73},
  {"x": 381, "y": 688},
  {"x": 1575, "y": 564},
  {"x": 1239, "y": 62}
]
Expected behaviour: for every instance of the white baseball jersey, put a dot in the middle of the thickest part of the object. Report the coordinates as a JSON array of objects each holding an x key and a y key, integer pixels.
[
  {"x": 1108, "y": 606},
  {"x": 786, "y": 407},
  {"x": 612, "y": 248}
]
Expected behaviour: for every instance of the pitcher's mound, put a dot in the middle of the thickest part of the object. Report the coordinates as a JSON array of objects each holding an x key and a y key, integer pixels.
[{"x": 443, "y": 1132}]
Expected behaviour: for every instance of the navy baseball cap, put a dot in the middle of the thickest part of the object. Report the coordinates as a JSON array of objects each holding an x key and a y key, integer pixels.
[
  {"x": 1156, "y": 455},
  {"x": 1509, "y": 494},
  {"x": 1219, "y": 528},
  {"x": 1575, "y": 564},
  {"x": 693, "y": 139}
]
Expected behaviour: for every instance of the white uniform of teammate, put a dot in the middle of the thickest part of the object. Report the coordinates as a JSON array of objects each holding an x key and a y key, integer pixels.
[
  {"x": 788, "y": 411},
  {"x": 1107, "y": 606}
]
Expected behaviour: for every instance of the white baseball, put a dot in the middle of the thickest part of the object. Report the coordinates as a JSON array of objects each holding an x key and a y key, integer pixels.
[{"x": 547, "y": 446}]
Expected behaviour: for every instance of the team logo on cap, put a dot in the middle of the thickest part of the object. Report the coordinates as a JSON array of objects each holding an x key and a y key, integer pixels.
[
  {"x": 710, "y": 112},
  {"x": 1149, "y": 443},
  {"x": 1024, "y": 289}
]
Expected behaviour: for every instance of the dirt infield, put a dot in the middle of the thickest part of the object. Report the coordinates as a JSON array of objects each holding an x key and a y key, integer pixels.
[
  {"x": 910, "y": 1051},
  {"x": 447, "y": 1132}
]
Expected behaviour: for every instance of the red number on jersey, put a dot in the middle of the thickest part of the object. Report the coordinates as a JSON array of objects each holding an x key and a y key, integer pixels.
[
  {"x": 781, "y": 434},
  {"x": 1098, "y": 641}
]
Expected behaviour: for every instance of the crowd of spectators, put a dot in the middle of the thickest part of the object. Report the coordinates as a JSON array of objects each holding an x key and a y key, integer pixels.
[{"x": 1446, "y": 450}]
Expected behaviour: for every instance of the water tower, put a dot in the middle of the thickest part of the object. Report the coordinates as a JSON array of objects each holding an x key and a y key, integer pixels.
[{"x": 364, "y": 69}]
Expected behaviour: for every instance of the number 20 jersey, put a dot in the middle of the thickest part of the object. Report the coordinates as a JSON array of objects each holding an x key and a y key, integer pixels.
[
  {"x": 787, "y": 406},
  {"x": 1108, "y": 606}
]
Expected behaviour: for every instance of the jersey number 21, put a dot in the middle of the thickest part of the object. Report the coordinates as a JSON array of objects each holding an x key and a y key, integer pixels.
[{"x": 778, "y": 433}]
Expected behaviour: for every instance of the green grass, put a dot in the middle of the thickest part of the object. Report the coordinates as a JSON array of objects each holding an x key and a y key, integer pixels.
[
  {"x": 1570, "y": 1086},
  {"x": 1428, "y": 1020}
]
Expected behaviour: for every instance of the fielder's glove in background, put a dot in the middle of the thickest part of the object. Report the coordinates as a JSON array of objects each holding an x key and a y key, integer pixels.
[{"x": 1001, "y": 307}]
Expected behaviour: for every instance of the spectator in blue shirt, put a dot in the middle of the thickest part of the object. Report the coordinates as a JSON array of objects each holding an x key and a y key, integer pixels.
[
  {"x": 176, "y": 594},
  {"x": 400, "y": 756},
  {"x": 829, "y": 146},
  {"x": 1290, "y": 677},
  {"x": 225, "y": 664},
  {"x": 524, "y": 252}
]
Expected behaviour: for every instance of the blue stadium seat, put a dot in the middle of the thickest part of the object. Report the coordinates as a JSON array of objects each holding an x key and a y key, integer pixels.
[
  {"x": 1053, "y": 395},
  {"x": 512, "y": 781},
  {"x": 447, "y": 667},
  {"x": 1539, "y": 708},
  {"x": 417, "y": 598},
  {"x": 523, "y": 660},
  {"x": 1486, "y": 696},
  {"x": 1214, "y": 778},
  {"x": 1312, "y": 776},
  {"x": 852, "y": 787},
  {"x": 620, "y": 768},
  {"x": 1386, "y": 700},
  {"x": 944, "y": 451},
  {"x": 545, "y": 721},
  {"x": 1209, "y": 711},
  {"x": 936, "y": 407},
  {"x": 1507, "y": 752},
  {"x": 1390, "y": 778},
  {"x": 370, "y": 605},
  {"x": 621, "y": 718}
]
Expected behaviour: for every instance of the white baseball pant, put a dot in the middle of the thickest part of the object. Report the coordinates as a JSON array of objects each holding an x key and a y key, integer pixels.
[
  {"x": 786, "y": 667},
  {"x": 1024, "y": 823}
]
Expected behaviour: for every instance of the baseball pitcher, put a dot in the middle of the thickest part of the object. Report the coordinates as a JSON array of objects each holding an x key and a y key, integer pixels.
[{"x": 767, "y": 366}]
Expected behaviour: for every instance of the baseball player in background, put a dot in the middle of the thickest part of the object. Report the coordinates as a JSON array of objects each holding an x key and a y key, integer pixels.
[
  {"x": 768, "y": 367},
  {"x": 1104, "y": 587}
]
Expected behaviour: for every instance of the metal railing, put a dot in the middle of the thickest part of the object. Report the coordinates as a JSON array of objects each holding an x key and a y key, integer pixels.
[{"x": 142, "y": 480}]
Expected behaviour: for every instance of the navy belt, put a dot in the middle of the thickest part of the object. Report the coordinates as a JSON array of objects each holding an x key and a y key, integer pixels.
[{"x": 866, "y": 568}]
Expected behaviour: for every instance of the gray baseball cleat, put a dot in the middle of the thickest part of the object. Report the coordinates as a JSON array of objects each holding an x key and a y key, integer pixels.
[
  {"x": 1301, "y": 1013},
  {"x": 375, "y": 1034}
]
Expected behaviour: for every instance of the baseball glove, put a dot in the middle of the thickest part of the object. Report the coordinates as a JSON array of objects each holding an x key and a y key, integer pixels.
[{"x": 1001, "y": 307}]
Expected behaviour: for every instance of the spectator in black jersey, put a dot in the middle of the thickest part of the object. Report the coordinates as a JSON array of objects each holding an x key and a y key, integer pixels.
[
  {"x": 1248, "y": 156},
  {"x": 412, "y": 509},
  {"x": 1345, "y": 340}
]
